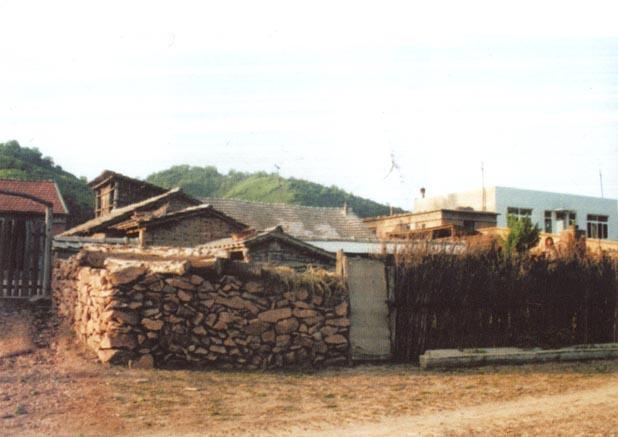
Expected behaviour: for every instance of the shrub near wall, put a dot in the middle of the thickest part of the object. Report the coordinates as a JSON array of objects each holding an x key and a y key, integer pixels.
[
  {"x": 152, "y": 312},
  {"x": 486, "y": 300}
]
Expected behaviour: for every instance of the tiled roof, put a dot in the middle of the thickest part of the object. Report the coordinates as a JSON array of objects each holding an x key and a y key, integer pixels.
[
  {"x": 44, "y": 190},
  {"x": 303, "y": 222},
  {"x": 124, "y": 213},
  {"x": 202, "y": 209}
]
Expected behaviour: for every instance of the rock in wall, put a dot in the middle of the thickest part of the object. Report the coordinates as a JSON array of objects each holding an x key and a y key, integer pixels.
[{"x": 163, "y": 314}]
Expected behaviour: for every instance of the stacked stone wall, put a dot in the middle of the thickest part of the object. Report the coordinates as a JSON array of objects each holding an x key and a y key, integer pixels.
[{"x": 167, "y": 313}]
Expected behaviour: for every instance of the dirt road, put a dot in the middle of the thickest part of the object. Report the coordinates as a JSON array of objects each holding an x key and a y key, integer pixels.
[
  {"x": 62, "y": 391},
  {"x": 581, "y": 412}
]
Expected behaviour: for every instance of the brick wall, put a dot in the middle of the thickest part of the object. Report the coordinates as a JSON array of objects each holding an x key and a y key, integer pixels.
[{"x": 188, "y": 232}]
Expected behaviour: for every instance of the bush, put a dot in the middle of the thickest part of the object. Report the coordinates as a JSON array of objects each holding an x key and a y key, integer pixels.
[{"x": 522, "y": 235}]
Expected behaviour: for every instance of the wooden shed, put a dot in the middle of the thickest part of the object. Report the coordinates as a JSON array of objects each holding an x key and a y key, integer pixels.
[{"x": 25, "y": 237}]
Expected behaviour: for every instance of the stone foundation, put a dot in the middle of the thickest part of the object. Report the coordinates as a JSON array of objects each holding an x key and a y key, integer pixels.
[{"x": 172, "y": 313}]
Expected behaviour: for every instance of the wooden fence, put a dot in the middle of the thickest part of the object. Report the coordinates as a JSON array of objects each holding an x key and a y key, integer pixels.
[
  {"x": 22, "y": 247},
  {"x": 469, "y": 301}
]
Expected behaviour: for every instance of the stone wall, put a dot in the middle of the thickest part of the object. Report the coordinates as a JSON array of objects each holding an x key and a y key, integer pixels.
[
  {"x": 174, "y": 313},
  {"x": 188, "y": 231}
]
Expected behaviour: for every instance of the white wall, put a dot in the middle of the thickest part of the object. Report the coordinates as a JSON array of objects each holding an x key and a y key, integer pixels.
[
  {"x": 540, "y": 201},
  {"x": 498, "y": 199}
]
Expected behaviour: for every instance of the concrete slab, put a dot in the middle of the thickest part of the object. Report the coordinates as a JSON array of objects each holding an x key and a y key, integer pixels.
[{"x": 450, "y": 358}]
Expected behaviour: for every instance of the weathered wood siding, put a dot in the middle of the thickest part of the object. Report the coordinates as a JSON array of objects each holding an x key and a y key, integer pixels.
[{"x": 22, "y": 246}]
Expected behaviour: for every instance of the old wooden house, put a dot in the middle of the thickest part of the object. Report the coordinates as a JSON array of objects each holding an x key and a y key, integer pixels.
[
  {"x": 114, "y": 190},
  {"x": 169, "y": 219}
]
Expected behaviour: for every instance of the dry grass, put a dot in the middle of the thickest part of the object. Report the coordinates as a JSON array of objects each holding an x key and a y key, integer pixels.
[{"x": 64, "y": 391}]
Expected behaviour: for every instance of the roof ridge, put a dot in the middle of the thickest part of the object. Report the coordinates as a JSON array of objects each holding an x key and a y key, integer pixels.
[
  {"x": 28, "y": 180},
  {"x": 261, "y": 202}
]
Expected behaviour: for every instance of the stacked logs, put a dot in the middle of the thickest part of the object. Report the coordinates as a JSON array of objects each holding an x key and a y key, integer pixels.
[{"x": 141, "y": 313}]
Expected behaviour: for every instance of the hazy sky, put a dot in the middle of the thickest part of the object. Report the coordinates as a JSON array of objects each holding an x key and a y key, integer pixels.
[{"x": 327, "y": 91}]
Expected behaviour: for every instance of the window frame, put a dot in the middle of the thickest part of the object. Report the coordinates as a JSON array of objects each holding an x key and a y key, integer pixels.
[{"x": 597, "y": 226}]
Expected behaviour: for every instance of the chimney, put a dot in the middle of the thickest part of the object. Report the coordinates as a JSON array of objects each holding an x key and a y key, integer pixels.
[
  {"x": 423, "y": 192},
  {"x": 345, "y": 208}
]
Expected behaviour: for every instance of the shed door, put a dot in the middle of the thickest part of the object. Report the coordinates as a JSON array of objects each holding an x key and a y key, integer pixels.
[{"x": 369, "y": 330}]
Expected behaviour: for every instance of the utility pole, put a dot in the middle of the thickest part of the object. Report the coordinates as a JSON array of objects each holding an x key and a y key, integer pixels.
[{"x": 484, "y": 207}]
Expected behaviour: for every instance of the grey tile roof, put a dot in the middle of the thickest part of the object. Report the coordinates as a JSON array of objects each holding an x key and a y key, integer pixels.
[{"x": 303, "y": 222}]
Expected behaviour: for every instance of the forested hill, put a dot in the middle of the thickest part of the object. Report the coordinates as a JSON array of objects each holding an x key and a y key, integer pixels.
[
  {"x": 18, "y": 162},
  {"x": 263, "y": 187}
]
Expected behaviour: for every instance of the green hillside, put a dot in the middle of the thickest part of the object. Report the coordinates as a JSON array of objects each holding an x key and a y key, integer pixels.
[
  {"x": 263, "y": 187},
  {"x": 18, "y": 162}
]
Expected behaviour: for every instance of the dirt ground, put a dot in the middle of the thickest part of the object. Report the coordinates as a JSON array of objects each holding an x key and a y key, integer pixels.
[{"x": 60, "y": 390}]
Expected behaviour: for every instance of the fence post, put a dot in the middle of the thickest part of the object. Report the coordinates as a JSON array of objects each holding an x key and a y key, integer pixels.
[{"x": 47, "y": 251}]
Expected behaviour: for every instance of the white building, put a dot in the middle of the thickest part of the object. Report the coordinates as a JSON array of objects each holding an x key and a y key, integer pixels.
[{"x": 553, "y": 212}]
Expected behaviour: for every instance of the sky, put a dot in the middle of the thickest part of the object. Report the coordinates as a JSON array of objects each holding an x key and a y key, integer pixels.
[{"x": 379, "y": 98}]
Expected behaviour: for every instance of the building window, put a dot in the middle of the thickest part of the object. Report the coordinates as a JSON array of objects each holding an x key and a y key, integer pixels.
[
  {"x": 468, "y": 225},
  {"x": 567, "y": 217},
  {"x": 597, "y": 226},
  {"x": 548, "y": 223},
  {"x": 518, "y": 213}
]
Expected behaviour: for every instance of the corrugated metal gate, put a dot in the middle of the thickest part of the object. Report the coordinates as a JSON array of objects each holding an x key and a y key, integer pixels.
[{"x": 370, "y": 334}]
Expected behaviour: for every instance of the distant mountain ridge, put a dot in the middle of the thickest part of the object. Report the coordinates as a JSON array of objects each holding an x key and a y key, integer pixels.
[
  {"x": 263, "y": 187},
  {"x": 18, "y": 162}
]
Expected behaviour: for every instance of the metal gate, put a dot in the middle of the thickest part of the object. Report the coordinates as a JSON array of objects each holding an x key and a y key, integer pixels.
[{"x": 25, "y": 252}]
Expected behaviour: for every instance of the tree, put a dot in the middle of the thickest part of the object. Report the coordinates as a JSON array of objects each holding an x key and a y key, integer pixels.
[{"x": 522, "y": 235}]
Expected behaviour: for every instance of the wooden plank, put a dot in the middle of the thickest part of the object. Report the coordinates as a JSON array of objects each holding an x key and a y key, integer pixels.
[
  {"x": 29, "y": 264},
  {"x": 19, "y": 252},
  {"x": 24, "y": 290},
  {"x": 3, "y": 252},
  {"x": 47, "y": 251},
  {"x": 40, "y": 259},
  {"x": 36, "y": 259},
  {"x": 10, "y": 260}
]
